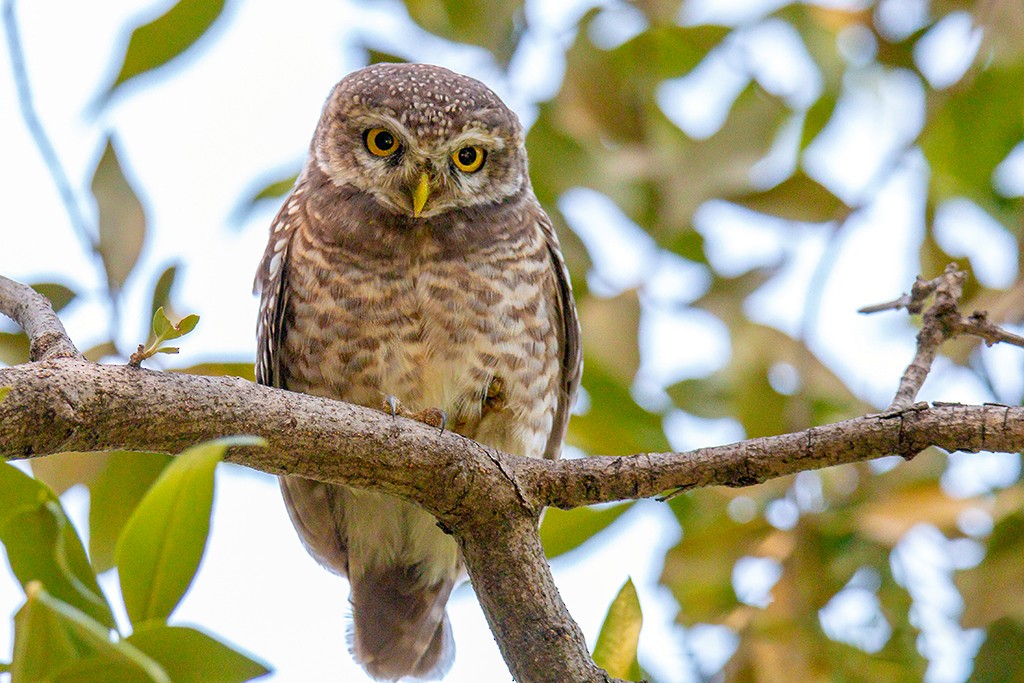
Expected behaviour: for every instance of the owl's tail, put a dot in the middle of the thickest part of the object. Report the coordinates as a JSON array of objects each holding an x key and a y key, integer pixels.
[{"x": 400, "y": 628}]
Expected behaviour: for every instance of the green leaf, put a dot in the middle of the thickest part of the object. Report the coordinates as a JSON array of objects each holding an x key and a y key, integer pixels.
[
  {"x": 3, "y": 392},
  {"x": 962, "y": 154},
  {"x": 262, "y": 190},
  {"x": 494, "y": 25},
  {"x": 160, "y": 547},
  {"x": 61, "y": 471},
  {"x": 817, "y": 117},
  {"x": 187, "y": 324},
  {"x": 166, "y": 330},
  {"x": 154, "y": 44},
  {"x": 999, "y": 658},
  {"x": 191, "y": 656},
  {"x": 42, "y": 644},
  {"x": 1000, "y": 573},
  {"x": 565, "y": 530},
  {"x": 799, "y": 198},
  {"x": 114, "y": 496},
  {"x": 228, "y": 369},
  {"x": 56, "y": 642},
  {"x": 161, "y": 325},
  {"x": 615, "y": 651},
  {"x": 13, "y": 348},
  {"x": 100, "y": 351},
  {"x": 42, "y": 544},
  {"x": 58, "y": 294},
  {"x": 122, "y": 220},
  {"x": 614, "y": 423}
]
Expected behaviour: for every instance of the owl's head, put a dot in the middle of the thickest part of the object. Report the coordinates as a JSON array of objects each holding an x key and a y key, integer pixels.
[{"x": 421, "y": 140}]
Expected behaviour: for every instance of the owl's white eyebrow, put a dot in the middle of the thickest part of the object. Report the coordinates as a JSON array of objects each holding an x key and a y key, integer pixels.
[{"x": 478, "y": 136}]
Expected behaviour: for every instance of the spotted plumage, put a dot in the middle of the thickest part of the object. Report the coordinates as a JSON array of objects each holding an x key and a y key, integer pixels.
[{"x": 413, "y": 264}]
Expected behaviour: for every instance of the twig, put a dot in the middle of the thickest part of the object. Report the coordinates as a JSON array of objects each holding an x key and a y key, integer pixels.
[
  {"x": 38, "y": 133},
  {"x": 34, "y": 314},
  {"x": 941, "y": 321}
]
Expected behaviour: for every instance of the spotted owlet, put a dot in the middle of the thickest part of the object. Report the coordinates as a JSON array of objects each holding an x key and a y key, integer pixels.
[{"x": 413, "y": 270}]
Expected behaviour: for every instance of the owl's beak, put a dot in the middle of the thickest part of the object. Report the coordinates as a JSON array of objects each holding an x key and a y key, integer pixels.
[{"x": 420, "y": 194}]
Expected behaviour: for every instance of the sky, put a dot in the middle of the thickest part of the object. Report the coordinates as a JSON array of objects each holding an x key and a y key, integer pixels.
[{"x": 240, "y": 109}]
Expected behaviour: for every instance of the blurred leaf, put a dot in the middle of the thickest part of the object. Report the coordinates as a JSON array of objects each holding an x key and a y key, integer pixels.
[
  {"x": 61, "y": 471},
  {"x": 162, "y": 291},
  {"x": 963, "y": 155},
  {"x": 58, "y": 294},
  {"x": 163, "y": 541},
  {"x": 999, "y": 658},
  {"x": 698, "y": 570},
  {"x": 816, "y": 118},
  {"x": 158, "y": 42},
  {"x": 380, "y": 57},
  {"x": 1000, "y": 574},
  {"x": 743, "y": 389},
  {"x": 494, "y": 25},
  {"x": 614, "y": 424},
  {"x": 13, "y": 348},
  {"x": 565, "y": 530},
  {"x": 615, "y": 651},
  {"x": 273, "y": 189},
  {"x": 42, "y": 544},
  {"x": 122, "y": 220},
  {"x": 243, "y": 370},
  {"x": 615, "y": 321},
  {"x": 888, "y": 519},
  {"x": 100, "y": 351},
  {"x": 191, "y": 656},
  {"x": 54, "y": 641},
  {"x": 114, "y": 496},
  {"x": 799, "y": 198}
]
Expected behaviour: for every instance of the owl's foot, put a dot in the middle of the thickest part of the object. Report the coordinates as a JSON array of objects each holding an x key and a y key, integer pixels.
[
  {"x": 435, "y": 417},
  {"x": 392, "y": 405}
]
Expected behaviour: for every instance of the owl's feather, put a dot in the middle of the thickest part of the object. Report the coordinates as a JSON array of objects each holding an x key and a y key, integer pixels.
[{"x": 466, "y": 308}]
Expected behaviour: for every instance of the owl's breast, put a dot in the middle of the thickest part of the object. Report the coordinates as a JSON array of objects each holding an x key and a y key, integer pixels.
[{"x": 471, "y": 338}]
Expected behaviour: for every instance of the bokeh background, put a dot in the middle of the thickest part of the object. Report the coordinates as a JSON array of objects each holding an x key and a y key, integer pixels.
[{"x": 731, "y": 181}]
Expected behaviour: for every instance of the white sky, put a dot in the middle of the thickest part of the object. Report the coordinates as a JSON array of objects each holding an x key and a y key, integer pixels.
[{"x": 243, "y": 108}]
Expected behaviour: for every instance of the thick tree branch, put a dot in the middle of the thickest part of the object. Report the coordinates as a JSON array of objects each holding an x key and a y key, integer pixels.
[
  {"x": 490, "y": 501},
  {"x": 34, "y": 314}
]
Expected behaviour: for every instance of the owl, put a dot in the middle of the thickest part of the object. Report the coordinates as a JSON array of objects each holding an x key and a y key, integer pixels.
[{"x": 412, "y": 270}]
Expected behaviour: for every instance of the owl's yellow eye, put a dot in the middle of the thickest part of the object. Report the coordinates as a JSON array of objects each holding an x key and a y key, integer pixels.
[
  {"x": 381, "y": 142},
  {"x": 469, "y": 159}
]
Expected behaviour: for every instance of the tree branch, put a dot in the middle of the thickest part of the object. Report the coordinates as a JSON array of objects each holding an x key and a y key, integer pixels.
[
  {"x": 488, "y": 500},
  {"x": 34, "y": 314},
  {"x": 941, "y": 321}
]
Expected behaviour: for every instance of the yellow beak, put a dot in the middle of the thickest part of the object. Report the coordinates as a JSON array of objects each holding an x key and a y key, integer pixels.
[{"x": 420, "y": 194}]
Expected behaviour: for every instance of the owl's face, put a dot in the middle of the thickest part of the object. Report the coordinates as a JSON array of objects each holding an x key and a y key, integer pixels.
[{"x": 421, "y": 140}]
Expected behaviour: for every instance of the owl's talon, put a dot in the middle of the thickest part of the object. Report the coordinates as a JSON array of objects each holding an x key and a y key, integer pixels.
[
  {"x": 393, "y": 405},
  {"x": 435, "y": 417}
]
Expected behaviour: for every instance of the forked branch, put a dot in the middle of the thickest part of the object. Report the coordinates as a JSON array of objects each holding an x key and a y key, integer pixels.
[{"x": 490, "y": 501}]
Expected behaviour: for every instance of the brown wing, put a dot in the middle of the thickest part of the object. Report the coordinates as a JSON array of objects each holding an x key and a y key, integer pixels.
[
  {"x": 316, "y": 509},
  {"x": 568, "y": 326},
  {"x": 272, "y": 286}
]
